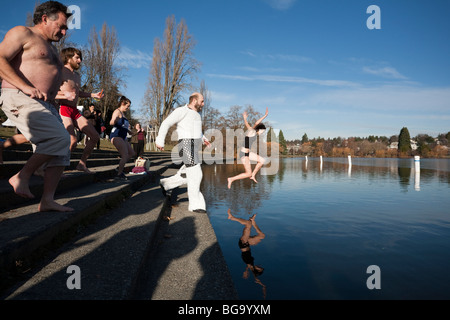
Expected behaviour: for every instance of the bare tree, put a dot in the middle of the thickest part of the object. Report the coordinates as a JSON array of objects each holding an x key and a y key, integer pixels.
[
  {"x": 234, "y": 118},
  {"x": 254, "y": 115},
  {"x": 172, "y": 69},
  {"x": 206, "y": 96},
  {"x": 99, "y": 70},
  {"x": 209, "y": 114}
]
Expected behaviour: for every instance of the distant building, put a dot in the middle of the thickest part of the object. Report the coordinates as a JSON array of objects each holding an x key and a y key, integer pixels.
[{"x": 394, "y": 145}]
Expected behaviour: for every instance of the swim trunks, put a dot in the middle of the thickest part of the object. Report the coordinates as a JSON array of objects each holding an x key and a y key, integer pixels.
[{"x": 69, "y": 112}]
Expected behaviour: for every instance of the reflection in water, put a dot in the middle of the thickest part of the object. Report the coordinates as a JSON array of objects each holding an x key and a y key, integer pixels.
[
  {"x": 404, "y": 174},
  {"x": 327, "y": 222},
  {"x": 245, "y": 242},
  {"x": 215, "y": 188}
]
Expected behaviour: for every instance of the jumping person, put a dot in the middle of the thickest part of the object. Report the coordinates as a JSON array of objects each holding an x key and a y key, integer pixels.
[
  {"x": 246, "y": 155},
  {"x": 118, "y": 136},
  {"x": 189, "y": 129},
  {"x": 31, "y": 71},
  {"x": 71, "y": 117}
]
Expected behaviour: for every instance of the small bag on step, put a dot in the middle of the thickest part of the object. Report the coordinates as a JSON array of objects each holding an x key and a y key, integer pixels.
[{"x": 141, "y": 165}]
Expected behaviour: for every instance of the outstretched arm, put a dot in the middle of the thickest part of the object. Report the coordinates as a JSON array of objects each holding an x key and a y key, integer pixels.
[
  {"x": 245, "y": 116},
  {"x": 260, "y": 120},
  {"x": 97, "y": 95}
]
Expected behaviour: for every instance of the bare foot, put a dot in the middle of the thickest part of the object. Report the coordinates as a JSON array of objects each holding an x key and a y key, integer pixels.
[
  {"x": 20, "y": 186},
  {"x": 252, "y": 218},
  {"x": 229, "y": 183},
  {"x": 46, "y": 206},
  {"x": 230, "y": 216},
  {"x": 82, "y": 167},
  {"x": 253, "y": 178}
]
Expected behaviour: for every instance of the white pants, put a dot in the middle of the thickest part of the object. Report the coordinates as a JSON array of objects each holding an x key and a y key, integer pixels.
[{"x": 194, "y": 176}]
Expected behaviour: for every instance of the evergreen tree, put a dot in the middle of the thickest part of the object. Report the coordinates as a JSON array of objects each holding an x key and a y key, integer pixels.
[
  {"x": 305, "y": 138},
  {"x": 404, "y": 141},
  {"x": 282, "y": 142},
  {"x": 269, "y": 135}
]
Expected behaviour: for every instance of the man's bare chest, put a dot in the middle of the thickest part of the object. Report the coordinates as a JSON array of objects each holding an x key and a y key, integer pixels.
[{"x": 41, "y": 52}]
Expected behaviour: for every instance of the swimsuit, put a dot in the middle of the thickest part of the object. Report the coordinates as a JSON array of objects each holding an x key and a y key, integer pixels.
[
  {"x": 248, "y": 142},
  {"x": 120, "y": 129}
]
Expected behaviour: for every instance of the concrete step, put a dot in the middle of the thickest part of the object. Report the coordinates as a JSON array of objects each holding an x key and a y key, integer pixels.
[
  {"x": 26, "y": 235},
  {"x": 102, "y": 168},
  {"x": 148, "y": 248},
  {"x": 13, "y": 161},
  {"x": 118, "y": 236},
  {"x": 24, "y": 151}
]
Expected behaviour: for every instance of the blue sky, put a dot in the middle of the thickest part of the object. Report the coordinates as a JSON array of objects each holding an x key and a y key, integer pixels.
[{"x": 314, "y": 63}]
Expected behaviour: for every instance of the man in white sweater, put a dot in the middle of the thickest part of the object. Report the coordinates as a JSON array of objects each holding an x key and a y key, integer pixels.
[{"x": 190, "y": 138}]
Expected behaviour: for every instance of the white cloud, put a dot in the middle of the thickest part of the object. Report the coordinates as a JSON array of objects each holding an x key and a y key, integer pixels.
[
  {"x": 291, "y": 58},
  {"x": 281, "y": 4},
  {"x": 279, "y": 57},
  {"x": 386, "y": 72},
  {"x": 287, "y": 79},
  {"x": 248, "y": 53},
  {"x": 222, "y": 99},
  {"x": 133, "y": 59}
]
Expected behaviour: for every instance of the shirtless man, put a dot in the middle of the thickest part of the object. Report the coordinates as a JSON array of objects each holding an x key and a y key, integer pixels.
[
  {"x": 31, "y": 71},
  {"x": 71, "y": 117}
]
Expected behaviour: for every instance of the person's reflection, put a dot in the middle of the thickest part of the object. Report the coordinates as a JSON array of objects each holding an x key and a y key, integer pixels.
[{"x": 245, "y": 241}]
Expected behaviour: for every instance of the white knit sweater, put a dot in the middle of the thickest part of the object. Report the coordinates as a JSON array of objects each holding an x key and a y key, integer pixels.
[{"x": 188, "y": 121}]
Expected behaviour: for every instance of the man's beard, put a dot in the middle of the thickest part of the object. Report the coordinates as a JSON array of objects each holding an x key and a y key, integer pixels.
[{"x": 74, "y": 65}]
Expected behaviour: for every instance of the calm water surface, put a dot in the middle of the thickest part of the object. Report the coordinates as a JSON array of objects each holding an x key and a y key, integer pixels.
[{"x": 326, "y": 223}]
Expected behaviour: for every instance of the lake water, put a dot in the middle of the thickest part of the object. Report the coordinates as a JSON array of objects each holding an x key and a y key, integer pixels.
[{"x": 326, "y": 222}]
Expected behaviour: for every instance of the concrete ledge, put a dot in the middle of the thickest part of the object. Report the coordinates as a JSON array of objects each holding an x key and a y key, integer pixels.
[
  {"x": 147, "y": 248},
  {"x": 26, "y": 234}
]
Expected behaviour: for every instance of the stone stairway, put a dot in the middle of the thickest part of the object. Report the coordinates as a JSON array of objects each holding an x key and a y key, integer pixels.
[
  {"x": 110, "y": 236},
  {"x": 26, "y": 234}
]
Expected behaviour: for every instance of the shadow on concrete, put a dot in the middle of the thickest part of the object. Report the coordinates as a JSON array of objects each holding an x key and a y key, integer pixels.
[{"x": 108, "y": 253}]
